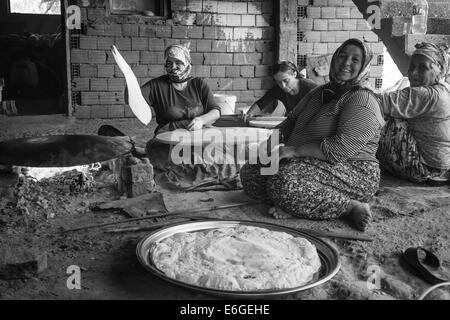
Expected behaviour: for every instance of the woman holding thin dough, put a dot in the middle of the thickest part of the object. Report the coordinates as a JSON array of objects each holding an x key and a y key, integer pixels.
[{"x": 181, "y": 101}]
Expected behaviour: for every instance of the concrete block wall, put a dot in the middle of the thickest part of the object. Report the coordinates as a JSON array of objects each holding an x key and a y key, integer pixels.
[
  {"x": 324, "y": 24},
  {"x": 231, "y": 44}
]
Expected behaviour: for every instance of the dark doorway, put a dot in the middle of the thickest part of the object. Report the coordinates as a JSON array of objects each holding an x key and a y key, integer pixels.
[{"x": 33, "y": 56}]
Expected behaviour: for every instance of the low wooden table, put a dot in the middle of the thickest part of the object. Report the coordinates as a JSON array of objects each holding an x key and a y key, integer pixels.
[{"x": 231, "y": 138}]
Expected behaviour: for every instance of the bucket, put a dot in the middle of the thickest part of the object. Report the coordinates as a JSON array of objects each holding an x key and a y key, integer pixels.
[{"x": 226, "y": 103}]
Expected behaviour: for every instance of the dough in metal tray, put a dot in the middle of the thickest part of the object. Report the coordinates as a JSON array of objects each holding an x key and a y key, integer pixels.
[{"x": 241, "y": 258}]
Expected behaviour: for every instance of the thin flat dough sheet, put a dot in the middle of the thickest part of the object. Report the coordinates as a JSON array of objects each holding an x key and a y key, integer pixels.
[{"x": 136, "y": 101}]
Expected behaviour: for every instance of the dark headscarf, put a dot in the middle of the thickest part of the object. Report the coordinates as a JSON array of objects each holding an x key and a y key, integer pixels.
[
  {"x": 437, "y": 54},
  {"x": 335, "y": 89},
  {"x": 180, "y": 53}
]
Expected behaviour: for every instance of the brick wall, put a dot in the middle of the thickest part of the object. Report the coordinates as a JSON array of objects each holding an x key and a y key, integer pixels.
[
  {"x": 231, "y": 44},
  {"x": 324, "y": 24}
]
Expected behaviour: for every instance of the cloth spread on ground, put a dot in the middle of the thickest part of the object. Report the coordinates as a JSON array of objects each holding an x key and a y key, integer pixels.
[
  {"x": 193, "y": 200},
  {"x": 166, "y": 201},
  {"x": 197, "y": 200},
  {"x": 190, "y": 176},
  {"x": 144, "y": 205}
]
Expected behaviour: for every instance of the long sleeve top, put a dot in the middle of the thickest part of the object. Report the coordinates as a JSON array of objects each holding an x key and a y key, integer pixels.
[
  {"x": 427, "y": 112},
  {"x": 289, "y": 101},
  {"x": 346, "y": 129}
]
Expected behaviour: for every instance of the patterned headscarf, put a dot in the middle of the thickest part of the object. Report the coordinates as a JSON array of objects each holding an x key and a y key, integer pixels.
[
  {"x": 437, "y": 54},
  {"x": 180, "y": 53},
  {"x": 365, "y": 68},
  {"x": 335, "y": 89},
  {"x": 283, "y": 66}
]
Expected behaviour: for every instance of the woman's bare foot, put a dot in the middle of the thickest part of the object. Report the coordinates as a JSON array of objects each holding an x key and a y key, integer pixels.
[
  {"x": 277, "y": 213},
  {"x": 360, "y": 214}
]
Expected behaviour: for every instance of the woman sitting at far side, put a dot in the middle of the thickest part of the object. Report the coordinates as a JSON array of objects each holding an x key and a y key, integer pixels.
[
  {"x": 415, "y": 143},
  {"x": 290, "y": 89},
  {"x": 327, "y": 166}
]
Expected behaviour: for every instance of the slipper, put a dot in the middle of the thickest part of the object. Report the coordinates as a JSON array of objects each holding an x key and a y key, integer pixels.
[{"x": 424, "y": 264}]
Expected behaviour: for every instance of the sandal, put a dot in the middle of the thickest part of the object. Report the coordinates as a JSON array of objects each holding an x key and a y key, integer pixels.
[{"x": 424, "y": 264}]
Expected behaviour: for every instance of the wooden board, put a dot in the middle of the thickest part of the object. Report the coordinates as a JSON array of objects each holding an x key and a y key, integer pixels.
[
  {"x": 268, "y": 118},
  {"x": 264, "y": 124}
]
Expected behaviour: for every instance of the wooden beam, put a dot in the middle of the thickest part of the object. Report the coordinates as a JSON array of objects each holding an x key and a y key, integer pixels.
[
  {"x": 68, "y": 77},
  {"x": 287, "y": 30}
]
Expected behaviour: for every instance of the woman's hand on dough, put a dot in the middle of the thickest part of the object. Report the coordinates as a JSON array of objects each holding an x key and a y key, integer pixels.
[
  {"x": 195, "y": 124},
  {"x": 287, "y": 152}
]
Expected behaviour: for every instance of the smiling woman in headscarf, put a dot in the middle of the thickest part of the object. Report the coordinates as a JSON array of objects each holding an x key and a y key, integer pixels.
[
  {"x": 415, "y": 142},
  {"x": 327, "y": 166}
]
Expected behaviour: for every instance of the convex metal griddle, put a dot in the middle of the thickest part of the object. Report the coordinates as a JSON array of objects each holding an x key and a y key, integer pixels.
[{"x": 62, "y": 150}]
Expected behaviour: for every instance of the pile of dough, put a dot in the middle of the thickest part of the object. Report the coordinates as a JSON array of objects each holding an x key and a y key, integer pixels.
[{"x": 240, "y": 258}]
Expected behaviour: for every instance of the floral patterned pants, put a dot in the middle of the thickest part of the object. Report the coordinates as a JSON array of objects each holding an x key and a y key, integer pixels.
[
  {"x": 311, "y": 188},
  {"x": 398, "y": 153}
]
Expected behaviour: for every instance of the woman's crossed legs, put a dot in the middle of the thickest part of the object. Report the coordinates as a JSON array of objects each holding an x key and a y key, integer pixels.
[{"x": 314, "y": 189}]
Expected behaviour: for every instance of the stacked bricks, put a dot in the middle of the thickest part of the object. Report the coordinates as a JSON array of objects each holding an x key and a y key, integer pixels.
[
  {"x": 328, "y": 23},
  {"x": 136, "y": 176},
  {"x": 231, "y": 45}
]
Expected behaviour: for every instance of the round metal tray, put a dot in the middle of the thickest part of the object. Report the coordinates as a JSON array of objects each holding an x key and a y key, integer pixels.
[{"x": 329, "y": 257}]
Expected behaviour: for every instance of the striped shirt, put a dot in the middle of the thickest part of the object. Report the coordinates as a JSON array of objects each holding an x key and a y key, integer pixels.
[{"x": 346, "y": 129}]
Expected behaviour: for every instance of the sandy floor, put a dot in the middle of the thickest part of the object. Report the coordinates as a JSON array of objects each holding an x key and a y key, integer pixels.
[{"x": 405, "y": 215}]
